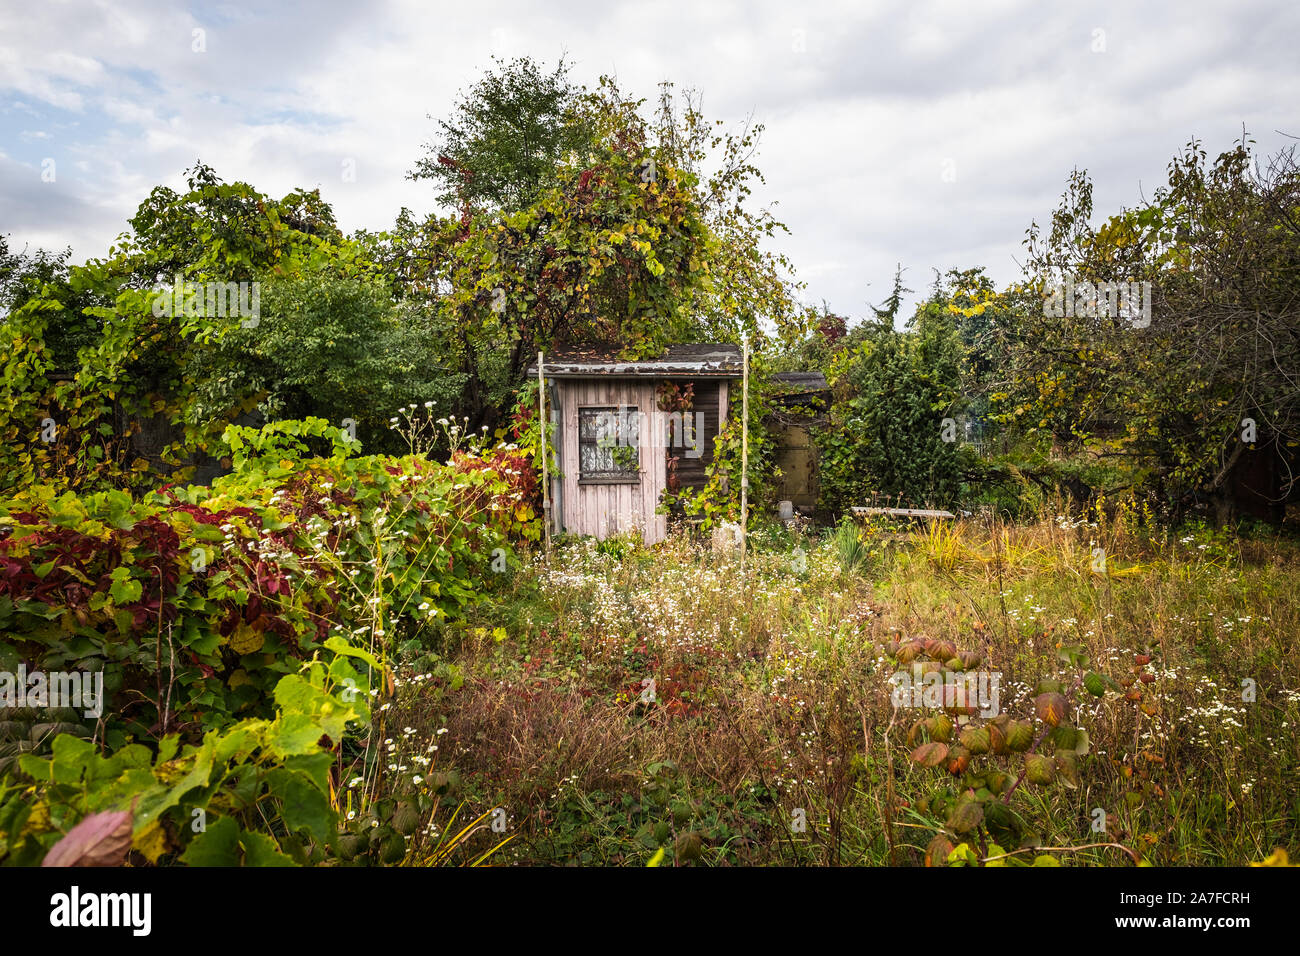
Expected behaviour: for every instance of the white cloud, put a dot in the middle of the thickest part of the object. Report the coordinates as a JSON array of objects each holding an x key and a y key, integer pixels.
[{"x": 863, "y": 106}]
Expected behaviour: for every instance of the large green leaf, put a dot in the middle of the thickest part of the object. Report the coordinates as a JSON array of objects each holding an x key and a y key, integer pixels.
[
  {"x": 302, "y": 804},
  {"x": 217, "y": 845}
]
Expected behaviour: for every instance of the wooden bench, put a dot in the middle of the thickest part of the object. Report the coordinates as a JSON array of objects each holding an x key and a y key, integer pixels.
[{"x": 903, "y": 512}]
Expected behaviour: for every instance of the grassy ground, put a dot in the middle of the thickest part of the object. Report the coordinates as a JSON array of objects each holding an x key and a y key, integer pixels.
[{"x": 624, "y": 700}]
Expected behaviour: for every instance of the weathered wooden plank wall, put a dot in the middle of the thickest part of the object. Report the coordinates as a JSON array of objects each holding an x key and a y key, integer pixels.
[
  {"x": 692, "y": 469},
  {"x": 603, "y": 510}
]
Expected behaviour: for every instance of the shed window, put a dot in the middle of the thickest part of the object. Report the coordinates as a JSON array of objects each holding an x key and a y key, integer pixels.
[{"x": 609, "y": 444}]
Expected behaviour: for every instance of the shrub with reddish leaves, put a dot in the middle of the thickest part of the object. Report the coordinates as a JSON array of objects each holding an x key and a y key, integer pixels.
[{"x": 195, "y": 602}]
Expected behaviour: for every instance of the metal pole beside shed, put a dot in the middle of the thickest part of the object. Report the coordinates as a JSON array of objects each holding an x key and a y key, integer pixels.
[
  {"x": 744, "y": 454},
  {"x": 546, "y": 472}
]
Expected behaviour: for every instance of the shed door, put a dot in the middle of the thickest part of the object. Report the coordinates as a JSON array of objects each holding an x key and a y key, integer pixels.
[{"x": 797, "y": 458}]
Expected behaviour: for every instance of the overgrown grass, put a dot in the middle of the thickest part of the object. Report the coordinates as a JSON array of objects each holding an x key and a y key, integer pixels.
[{"x": 623, "y": 698}]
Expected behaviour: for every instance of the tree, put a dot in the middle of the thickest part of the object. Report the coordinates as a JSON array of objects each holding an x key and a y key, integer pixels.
[
  {"x": 46, "y": 274},
  {"x": 1220, "y": 246},
  {"x": 892, "y": 431},
  {"x": 627, "y": 242},
  {"x": 131, "y": 362},
  {"x": 605, "y": 255},
  {"x": 749, "y": 290},
  {"x": 226, "y": 231},
  {"x": 506, "y": 138},
  {"x": 886, "y": 314},
  {"x": 326, "y": 347}
]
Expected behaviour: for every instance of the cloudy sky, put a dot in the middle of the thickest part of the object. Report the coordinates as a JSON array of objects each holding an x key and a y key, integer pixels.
[{"x": 926, "y": 133}]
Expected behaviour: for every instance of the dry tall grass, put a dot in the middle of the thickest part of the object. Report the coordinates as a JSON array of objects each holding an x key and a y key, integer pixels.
[{"x": 641, "y": 688}]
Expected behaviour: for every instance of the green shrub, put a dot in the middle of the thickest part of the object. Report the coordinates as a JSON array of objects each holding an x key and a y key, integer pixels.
[
  {"x": 256, "y": 793},
  {"x": 195, "y": 602}
]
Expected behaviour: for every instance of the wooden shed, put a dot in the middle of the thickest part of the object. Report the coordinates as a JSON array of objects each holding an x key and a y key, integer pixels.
[
  {"x": 626, "y": 431},
  {"x": 799, "y": 402}
]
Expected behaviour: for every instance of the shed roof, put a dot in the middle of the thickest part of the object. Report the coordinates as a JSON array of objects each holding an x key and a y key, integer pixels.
[
  {"x": 711, "y": 360},
  {"x": 799, "y": 382}
]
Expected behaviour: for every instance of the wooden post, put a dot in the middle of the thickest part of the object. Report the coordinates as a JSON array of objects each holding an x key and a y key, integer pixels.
[
  {"x": 546, "y": 471},
  {"x": 744, "y": 453}
]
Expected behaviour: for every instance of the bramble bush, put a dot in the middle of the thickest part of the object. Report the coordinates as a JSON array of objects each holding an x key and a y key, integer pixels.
[
  {"x": 195, "y": 602},
  {"x": 223, "y": 620}
]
